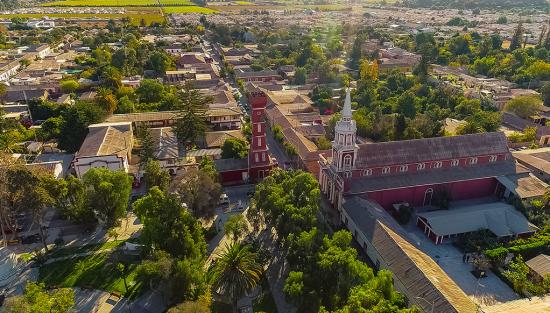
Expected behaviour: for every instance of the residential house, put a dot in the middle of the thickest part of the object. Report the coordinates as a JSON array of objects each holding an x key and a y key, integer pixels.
[{"x": 107, "y": 145}]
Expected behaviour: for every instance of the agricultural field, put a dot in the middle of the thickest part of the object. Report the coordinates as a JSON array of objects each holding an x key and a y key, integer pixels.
[
  {"x": 188, "y": 9},
  {"x": 116, "y": 3},
  {"x": 282, "y": 6},
  {"x": 148, "y": 15}
]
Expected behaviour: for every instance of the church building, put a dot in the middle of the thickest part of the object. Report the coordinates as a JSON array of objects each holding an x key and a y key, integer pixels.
[{"x": 421, "y": 172}]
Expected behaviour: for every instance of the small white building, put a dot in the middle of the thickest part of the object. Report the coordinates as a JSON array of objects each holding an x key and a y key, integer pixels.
[{"x": 107, "y": 145}]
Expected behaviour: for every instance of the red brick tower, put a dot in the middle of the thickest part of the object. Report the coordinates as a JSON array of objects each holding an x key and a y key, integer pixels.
[{"x": 259, "y": 161}]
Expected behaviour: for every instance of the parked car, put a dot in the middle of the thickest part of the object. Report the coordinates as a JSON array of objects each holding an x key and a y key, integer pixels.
[
  {"x": 224, "y": 199},
  {"x": 27, "y": 240}
]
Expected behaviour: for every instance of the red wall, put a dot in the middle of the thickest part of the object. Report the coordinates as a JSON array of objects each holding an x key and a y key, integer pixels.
[
  {"x": 415, "y": 195},
  {"x": 232, "y": 177}
]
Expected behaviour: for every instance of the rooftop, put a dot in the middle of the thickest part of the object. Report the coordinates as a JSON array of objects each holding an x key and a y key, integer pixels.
[
  {"x": 107, "y": 139},
  {"x": 500, "y": 218},
  {"x": 415, "y": 270}
]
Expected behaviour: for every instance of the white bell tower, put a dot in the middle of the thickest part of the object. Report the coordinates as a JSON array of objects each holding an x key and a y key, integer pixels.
[{"x": 344, "y": 147}]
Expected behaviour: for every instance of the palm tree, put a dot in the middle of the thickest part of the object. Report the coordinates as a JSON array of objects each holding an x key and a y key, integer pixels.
[{"x": 236, "y": 272}]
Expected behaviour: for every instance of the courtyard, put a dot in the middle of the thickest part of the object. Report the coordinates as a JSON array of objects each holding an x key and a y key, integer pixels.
[{"x": 485, "y": 291}]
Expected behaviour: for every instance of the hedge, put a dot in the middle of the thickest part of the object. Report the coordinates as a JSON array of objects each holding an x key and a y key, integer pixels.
[{"x": 527, "y": 250}]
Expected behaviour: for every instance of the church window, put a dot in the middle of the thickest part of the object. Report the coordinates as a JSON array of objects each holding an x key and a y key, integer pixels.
[
  {"x": 347, "y": 161},
  {"x": 367, "y": 172},
  {"x": 493, "y": 158},
  {"x": 454, "y": 162},
  {"x": 421, "y": 166},
  {"x": 386, "y": 170},
  {"x": 403, "y": 168},
  {"x": 437, "y": 164},
  {"x": 473, "y": 160}
]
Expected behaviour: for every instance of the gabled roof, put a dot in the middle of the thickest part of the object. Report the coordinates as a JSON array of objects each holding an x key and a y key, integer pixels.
[
  {"x": 166, "y": 143},
  {"x": 540, "y": 264},
  {"x": 107, "y": 139},
  {"x": 431, "y": 149},
  {"x": 500, "y": 218},
  {"x": 430, "y": 177},
  {"x": 417, "y": 272}
]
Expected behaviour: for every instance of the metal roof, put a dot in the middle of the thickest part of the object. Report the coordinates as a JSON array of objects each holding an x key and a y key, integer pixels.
[{"x": 500, "y": 218}]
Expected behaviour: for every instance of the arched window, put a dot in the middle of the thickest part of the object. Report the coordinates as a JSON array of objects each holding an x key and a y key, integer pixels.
[
  {"x": 428, "y": 196},
  {"x": 473, "y": 161},
  {"x": 454, "y": 162},
  {"x": 403, "y": 168},
  {"x": 493, "y": 158},
  {"x": 347, "y": 160},
  {"x": 437, "y": 164},
  {"x": 421, "y": 166},
  {"x": 367, "y": 172},
  {"x": 386, "y": 170}
]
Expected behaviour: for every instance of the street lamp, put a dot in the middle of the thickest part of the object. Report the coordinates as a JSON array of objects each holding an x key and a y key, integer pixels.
[{"x": 432, "y": 304}]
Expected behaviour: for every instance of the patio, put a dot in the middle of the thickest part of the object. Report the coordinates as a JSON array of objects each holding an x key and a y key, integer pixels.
[{"x": 484, "y": 292}]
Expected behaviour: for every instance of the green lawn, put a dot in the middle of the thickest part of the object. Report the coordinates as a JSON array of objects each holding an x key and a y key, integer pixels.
[
  {"x": 66, "y": 251},
  {"x": 96, "y": 271}
]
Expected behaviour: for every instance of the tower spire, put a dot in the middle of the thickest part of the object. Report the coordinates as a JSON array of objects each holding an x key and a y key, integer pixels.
[{"x": 346, "y": 112}]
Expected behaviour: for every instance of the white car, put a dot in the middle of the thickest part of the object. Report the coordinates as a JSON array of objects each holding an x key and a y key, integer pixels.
[{"x": 224, "y": 199}]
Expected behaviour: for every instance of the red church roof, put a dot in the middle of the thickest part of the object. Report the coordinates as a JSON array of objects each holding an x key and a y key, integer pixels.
[{"x": 431, "y": 149}]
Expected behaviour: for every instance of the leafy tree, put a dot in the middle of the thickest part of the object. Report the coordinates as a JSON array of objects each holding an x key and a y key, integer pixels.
[
  {"x": 517, "y": 38},
  {"x": 155, "y": 175},
  {"x": 106, "y": 100},
  {"x": 191, "y": 307},
  {"x": 199, "y": 191},
  {"x": 406, "y": 105},
  {"x": 287, "y": 200},
  {"x": 524, "y": 106},
  {"x": 125, "y": 59},
  {"x": 300, "y": 76},
  {"x": 236, "y": 272},
  {"x": 147, "y": 149},
  {"x": 72, "y": 202},
  {"x": 168, "y": 226},
  {"x": 159, "y": 62},
  {"x": 191, "y": 120},
  {"x": 110, "y": 77},
  {"x": 517, "y": 274},
  {"x": 234, "y": 148},
  {"x": 150, "y": 90},
  {"x": 502, "y": 20},
  {"x": 76, "y": 120},
  {"x": 545, "y": 92},
  {"x": 108, "y": 193},
  {"x": 235, "y": 226},
  {"x": 37, "y": 300},
  {"x": 207, "y": 166},
  {"x": 69, "y": 86},
  {"x": 51, "y": 128}
]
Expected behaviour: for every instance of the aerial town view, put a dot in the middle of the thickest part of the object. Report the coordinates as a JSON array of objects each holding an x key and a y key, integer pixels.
[{"x": 275, "y": 156}]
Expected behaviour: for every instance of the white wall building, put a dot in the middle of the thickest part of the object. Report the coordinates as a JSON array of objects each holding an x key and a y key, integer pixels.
[{"x": 107, "y": 145}]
